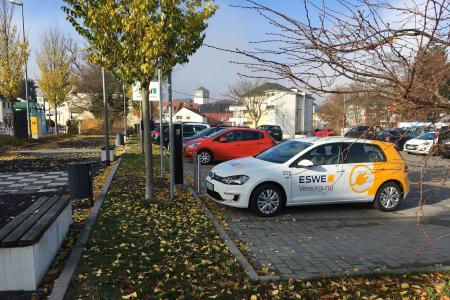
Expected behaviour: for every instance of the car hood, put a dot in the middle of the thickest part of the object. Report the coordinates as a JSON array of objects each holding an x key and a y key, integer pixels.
[
  {"x": 241, "y": 166},
  {"x": 190, "y": 142},
  {"x": 418, "y": 142}
]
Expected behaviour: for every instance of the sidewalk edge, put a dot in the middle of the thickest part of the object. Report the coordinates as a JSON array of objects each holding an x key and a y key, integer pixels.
[{"x": 63, "y": 281}]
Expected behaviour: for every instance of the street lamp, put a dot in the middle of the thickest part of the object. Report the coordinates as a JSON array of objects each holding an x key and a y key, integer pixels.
[{"x": 19, "y": 3}]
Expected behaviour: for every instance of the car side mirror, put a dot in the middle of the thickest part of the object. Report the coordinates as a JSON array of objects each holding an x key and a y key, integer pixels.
[
  {"x": 223, "y": 140},
  {"x": 305, "y": 163}
]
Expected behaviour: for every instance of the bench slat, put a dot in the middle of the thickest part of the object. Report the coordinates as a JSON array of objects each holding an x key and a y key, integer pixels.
[
  {"x": 14, "y": 223},
  {"x": 13, "y": 238},
  {"x": 39, "y": 228}
]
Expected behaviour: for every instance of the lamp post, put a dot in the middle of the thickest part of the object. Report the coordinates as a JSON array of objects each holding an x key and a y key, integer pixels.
[{"x": 17, "y": 2}]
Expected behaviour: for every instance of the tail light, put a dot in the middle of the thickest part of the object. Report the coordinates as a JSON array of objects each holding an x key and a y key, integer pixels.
[
  {"x": 270, "y": 132},
  {"x": 405, "y": 168}
]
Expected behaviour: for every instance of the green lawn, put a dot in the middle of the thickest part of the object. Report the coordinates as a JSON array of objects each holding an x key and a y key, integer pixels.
[{"x": 169, "y": 249}]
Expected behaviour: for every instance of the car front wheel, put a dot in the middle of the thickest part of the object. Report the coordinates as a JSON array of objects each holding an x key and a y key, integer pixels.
[
  {"x": 388, "y": 197},
  {"x": 266, "y": 200},
  {"x": 205, "y": 157}
]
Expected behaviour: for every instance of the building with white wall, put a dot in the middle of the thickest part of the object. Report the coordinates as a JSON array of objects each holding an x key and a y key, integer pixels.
[
  {"x": 291, "y": 109},
  {"x": 5, "y": 115},
  {"x": 201, "y": 96},
  {"x": 187, "y": 114}
]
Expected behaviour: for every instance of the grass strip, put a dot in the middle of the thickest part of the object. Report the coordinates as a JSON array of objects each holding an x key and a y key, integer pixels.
[{"x": 170, "y": 250}]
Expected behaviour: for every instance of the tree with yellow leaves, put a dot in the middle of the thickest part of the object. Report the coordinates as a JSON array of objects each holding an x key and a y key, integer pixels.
[
  {"x": 54, "y": 64},
  {"x": 134, "y": 38},
  {"x": 13, "y": 55}
]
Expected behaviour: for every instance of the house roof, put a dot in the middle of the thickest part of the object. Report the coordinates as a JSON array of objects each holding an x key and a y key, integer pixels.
[
  {"x": 201, "y": 88},
  {"x": 268, "y": 86},
  {"x": 194, "y": 110}
]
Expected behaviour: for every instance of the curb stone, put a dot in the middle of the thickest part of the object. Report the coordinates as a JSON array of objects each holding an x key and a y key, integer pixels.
[
  {"x": 228, "y": 241},
  {"x": 63, "y": 281}
]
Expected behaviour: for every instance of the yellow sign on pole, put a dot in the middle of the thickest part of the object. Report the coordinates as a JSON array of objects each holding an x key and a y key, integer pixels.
[{"x": 34, "y": 127}]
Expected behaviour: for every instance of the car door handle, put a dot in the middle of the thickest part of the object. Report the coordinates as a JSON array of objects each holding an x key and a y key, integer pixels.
[{"x": 339, "y": 171}]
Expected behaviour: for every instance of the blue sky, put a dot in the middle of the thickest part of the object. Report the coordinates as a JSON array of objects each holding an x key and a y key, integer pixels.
[{"x": 229, "y": 28}]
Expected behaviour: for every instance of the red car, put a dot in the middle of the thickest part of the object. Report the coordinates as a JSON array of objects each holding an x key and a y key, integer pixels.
[
  {"x": 325, "y": 132},
  {"x": 228, "y": 144}
]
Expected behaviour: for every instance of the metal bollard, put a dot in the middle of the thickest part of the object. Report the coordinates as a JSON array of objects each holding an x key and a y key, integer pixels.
[
  {"x": 194, "y": 165},
  {"x": 197, "y": 166}
]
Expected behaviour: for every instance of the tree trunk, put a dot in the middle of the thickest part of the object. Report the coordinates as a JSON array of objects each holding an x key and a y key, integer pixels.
[
  {"x": 56, "y": 120},
  {"x": 148, "y": 155},
  {"x": 13, "y": 119},
  {"x": 105, "y": 117}
]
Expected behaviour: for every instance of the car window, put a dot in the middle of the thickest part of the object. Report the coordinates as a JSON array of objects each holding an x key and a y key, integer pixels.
[
  {"x": 232, "y": 136},
  {"x": 198, "y": 128},
  {"x": 188, "y": 129},
  {"x": 281, "y": 153},
  {"x": 216, "y": 134},
  {"x": 327, "y": 154},
  {"x": 362, "y": 153},
  {"x": 251, "y": 135},
  {"x": 275, "y": 128}
]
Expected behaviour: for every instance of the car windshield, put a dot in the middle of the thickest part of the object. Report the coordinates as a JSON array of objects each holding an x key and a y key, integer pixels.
[
  {"x": 215, "y": 134},
  {"x": 204, "y": 133},
  {"x": 429, "y": 136},
  {"x": 281, "y": 153}
]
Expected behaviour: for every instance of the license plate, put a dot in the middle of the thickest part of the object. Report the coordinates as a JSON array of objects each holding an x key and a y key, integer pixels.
[
  {"x": 410, "y": 147},
  {"x": 209, "y": 186}
]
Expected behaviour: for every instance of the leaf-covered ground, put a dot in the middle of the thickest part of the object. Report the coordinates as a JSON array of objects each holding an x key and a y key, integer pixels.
[{"x": 169, "y": 249}]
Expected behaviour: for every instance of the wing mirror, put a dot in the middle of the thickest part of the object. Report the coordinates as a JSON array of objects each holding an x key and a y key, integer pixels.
[
  {"x": 223, "y": 140},
  {"x": 305, "y": 163}
]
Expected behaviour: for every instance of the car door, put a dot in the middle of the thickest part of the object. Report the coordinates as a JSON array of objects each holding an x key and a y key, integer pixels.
[
  {"x": 231, "y": 148},
  {"x": 252, "y": 143},
  {"x": 360, "y": 164},
  {"x": 324, "y": 181}
]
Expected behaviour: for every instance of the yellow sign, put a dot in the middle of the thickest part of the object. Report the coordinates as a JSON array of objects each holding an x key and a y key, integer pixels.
[{"x": 34, "y": 127}]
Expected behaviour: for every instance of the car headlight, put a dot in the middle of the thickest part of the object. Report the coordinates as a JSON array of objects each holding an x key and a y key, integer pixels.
[
  {"x": 194, "y": 145},
  {"x": 234, "y": 180}
]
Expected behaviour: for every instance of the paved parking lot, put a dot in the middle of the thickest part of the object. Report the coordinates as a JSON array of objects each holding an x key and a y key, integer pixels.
[{"x": 334, "y": 239}]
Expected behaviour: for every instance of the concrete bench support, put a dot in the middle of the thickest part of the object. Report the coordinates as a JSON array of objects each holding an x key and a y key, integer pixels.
[{"x": 25, "y": 260}]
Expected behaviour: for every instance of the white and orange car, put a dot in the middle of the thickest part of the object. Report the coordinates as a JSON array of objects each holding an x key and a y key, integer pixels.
[{"x": 312, "y": 170}]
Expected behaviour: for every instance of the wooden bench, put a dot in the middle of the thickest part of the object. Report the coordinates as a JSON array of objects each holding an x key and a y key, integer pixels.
[{"x": 29, "y": 243}]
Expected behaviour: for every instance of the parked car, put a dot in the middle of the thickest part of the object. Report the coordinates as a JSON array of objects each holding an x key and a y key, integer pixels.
[
  {"x": 325, "y": 132},
  {"x": 228, "y": 144},
  {"x": 390, "y": 135},
  {"x": 189, "y": 129},
  {"x": 156, "y": 133},
  {"x": 404, "y": 137},
  {"x": 273, "y": 130},
  {"x": 363, "y": 132},
  {"x": 422, "y": 144},
  {"x": 443, "y": 141},
  {"x": 204, "y": 133},
  {"x": 312, "y": 171}
]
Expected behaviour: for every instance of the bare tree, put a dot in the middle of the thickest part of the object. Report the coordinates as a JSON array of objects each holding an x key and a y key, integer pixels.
[
  {"x": 251, "y": 96},
  {"x": 375, "y": 43}
]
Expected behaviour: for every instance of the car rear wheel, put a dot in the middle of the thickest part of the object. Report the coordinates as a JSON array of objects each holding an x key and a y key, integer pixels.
[
  {"x": 205, "y": 157},
  {"x": 266, "y": 200},
  {"x": 388, "y": 197}
]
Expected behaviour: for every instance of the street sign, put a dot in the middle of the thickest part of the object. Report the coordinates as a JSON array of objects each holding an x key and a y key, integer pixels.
[{"x": 153, "y": 91}]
